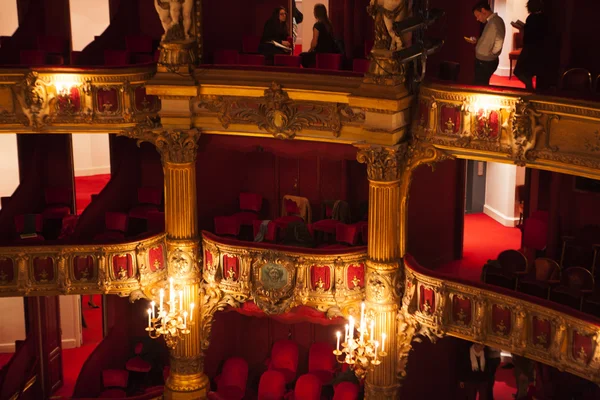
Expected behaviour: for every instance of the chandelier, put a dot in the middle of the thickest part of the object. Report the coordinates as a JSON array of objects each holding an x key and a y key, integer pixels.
[
  {"x": 361, "y": 352},
  {"x": 171, "y": 321}
]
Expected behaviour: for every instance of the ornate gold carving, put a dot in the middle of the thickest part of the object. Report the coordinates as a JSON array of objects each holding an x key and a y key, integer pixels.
[
  {"x": 525, "y": 131},
  {"x": 34, "y": 97},
  {"x": 279, "y": 115},
  {"x": 383, "y": 163},
  {"x": 385, "y": 37},
  {"x": 593, "y": 146}
]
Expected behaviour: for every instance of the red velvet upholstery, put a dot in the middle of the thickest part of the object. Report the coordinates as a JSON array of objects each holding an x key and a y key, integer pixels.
[
  {"x": 284, "y": 358},
  {"x": 138, "y": 44},
  {"x": 321, "y": 362},
  {"x": 32, "y": 57},
  {"x": 116, "y": 57},
  {"x": 346, "y": 234},
  {"x": 360, "y": 65},
  {"x": 252, "y": 59},
  {"x": 58, "y": 202},
  {"x": 308, "y": 387},
  {"x": 115, "y": 226},
  {"x": 137, "y": 364},
  {"x": 287, "y": 61},
  {"x": 115, "y": 378},
  {"x": 250, "y": 44},
  {"x": 283, "y": 222},
  {"x": 326, "y": 225},
  {"x": 345, "y": 391},
  {"x": 149, "y": 200},
  {"x": 535, "y": 233},
  {"x": 226, "y": 57},
  {"x": 329, "y": 61},
  {"x": 271, "y": 386},
  {"x": 250, "y": 202},
  {"x": 232, "y": 381},
  {"x": 113, "y": 394},
  {"x": 227, "y": 226},
  {"x": 271, "y": 235}
]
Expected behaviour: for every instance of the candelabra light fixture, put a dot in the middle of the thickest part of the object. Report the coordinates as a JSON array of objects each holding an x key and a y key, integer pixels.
[
  {"x": 171, "y": 321},
  {"x": 361, "y": 352}
]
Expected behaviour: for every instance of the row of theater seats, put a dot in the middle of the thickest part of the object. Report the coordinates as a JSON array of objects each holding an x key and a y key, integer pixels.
[
  {"x": 282, "y": 373},
  {"x": 51, "y": 50},
  {"x": 294, "y": 223}
]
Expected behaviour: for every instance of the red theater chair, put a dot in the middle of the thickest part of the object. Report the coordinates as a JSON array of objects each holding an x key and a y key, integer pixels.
[
  {"x": 116, "y": 57},
  {"x": 57, "y": 203},
  {"x": 149, "y": 200},
  {"x": 115, "y": 383},
  {"x": 226, "y": 57},
  {"x": 270, "y": 234},
  {"x": 360, "y": 65},
  {"x": 287, "y": 61},
  {"x": 293, "y": 211},
  {"x": 284, "y": 358},
  {"x": 231, "y": 384},
  {"x": 271, "y": 386},
  {"x": 545, "y": 274},
  {"x": 576, "y": 80},
  {"x": 37, "y": 219},
  {"x": 329, "y": 61},
  {"x": 115, "y": 226},
  {"x": 577, "y": 283},
  {"x": 137, "y": 363},
  {"x": 250, "y": 206},
  {"x": 321, "y": 362},
  {"x": 345, "y": 391},
  {"x": 250, "y": 44},
  {"x": 345, "y": 235},
  {"x": 227, "y": 226},
  {"x": 252, "y": 59},
  {"x": 308, "y": 387}
]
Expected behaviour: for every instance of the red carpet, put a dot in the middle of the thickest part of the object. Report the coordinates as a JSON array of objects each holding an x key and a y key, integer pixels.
[
  {"x": 484, "y": 239},
  {"x": 504, "y": 81},
  {"x": 73, "y": 359},
  {"x": 86, "y": 186}
]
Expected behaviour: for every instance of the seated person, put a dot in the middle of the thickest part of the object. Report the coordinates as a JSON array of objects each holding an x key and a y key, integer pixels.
[
  {"x": 323, "y": 40},
  {"x": 275, "y": 31}
]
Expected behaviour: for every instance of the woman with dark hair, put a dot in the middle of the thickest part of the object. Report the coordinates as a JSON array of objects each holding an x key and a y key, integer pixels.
[
  {"x": 536, "y": 56},
  {"x": 275, "y": 35},
  {"x": 323, "y": 40}
]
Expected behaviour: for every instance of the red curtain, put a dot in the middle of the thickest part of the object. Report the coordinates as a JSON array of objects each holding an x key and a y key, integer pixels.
[{"x": 352, "y": 24}]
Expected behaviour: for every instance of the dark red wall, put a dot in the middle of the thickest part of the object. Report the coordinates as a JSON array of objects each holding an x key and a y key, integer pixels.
[
  {"x": 435, "y": 210},
  {"x": 273, "y": 168}
]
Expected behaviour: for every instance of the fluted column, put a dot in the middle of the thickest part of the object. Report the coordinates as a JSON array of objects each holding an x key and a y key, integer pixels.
[
  {"x": 178, "y": 149},
  {"x": 383, "y": 274}
]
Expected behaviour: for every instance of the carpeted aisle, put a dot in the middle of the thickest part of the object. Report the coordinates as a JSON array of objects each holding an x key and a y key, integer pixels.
[
  {"x": 484, "y": 239},
  {"x": 86, "y": 186}
]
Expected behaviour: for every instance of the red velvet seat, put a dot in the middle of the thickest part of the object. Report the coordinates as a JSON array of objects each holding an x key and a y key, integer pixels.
[
  {"x": 345, "y": 235},
  {"x": 270, "y": 235},
  {"x": 576, "y": 80},
  {"x": 231, "y": 384},
  {"x": 32, "y": 57},
  {"x": 137, "y": 363},
  {"x": 227, "y": 226},
  {"x": 252, "y": 59},
  {"x": 292, "y": 213},
  {"x": 115, "y": 226},
  {"x": 115, "y": 382},
  {"x": 545, "y": 274},
  {"x": 250, "y": 206},
  {"x": 287, "y": 61},
  {"x": 321, "y": 362},
  {"x": 308, "y": 387},
  {"x": 149, "y": 200},
  {"x": 271, "y": 386},
  {"x": 116, "y": 57},
  {"x": 360, "y": 65},
  {"x": 329, "y": 61},
  {"x": 576, "y": 284},
  {"x": 33, "y": 236},
  {"x": 138, "y": 44},
  {"x": 250, "y": 44},
  {"x": 284, "y": 358},
  {"x": 226, "y": 57},
  {"x": 345, "y": 391},
  {"x": 58, "y": 202},
  {"x": 326, "y": 225}
]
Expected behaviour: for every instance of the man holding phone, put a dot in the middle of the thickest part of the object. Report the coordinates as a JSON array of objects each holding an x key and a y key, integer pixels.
[{"x": 489, "y": 45}]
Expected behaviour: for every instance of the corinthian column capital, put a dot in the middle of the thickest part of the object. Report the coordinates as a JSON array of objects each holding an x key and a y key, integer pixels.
[
  {"x": 176, "y": 146},
  {"x": 384, "y": 163}
]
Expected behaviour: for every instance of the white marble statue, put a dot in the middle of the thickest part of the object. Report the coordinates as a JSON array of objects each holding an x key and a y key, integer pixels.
[{"x": 173, "y": 13}]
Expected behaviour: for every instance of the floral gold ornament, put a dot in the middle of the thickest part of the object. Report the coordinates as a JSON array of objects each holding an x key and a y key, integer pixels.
[
  {"x": 359, "y": 350},
  {"x": 171, "y": 321}
]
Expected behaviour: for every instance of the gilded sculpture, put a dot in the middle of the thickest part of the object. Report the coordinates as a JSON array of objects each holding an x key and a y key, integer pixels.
[
  {"x": 385, "y": 13},
  {"x": 35, "y": 98},
  {"x": 176, "y": 19}
]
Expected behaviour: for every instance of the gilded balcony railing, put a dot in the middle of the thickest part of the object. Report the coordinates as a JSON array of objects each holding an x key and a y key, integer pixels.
[
  {"x": 278, "y": 278},
  {"x": 553, "y": 133},
  {"x": 514, "y": 322},
  {"x": 120, "y": 268},
  {"x": 66, "y": 100}
]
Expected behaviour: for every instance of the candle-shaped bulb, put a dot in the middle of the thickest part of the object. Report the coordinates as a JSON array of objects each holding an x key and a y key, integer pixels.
[
  {"x": 383, "y": 336},
  {"x": 153, "y": 307},
  {"x": 351, "y": 328},
  {"x": 376, "y": 346},
  {"x": 192, "y": 305},
  {"x": 339, "y": 335},
  {"x": 346, "y": 337},
  {"x": 149, "y": 318}
]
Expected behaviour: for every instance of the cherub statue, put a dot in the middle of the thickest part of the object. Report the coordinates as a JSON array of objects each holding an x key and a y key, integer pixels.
[
  {"x": 385, "y": 13},
  {"x": 175, "y": 17}
]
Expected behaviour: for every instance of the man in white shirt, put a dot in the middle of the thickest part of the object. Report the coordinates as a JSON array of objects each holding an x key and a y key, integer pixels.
[{"x": 489, "y": 45}]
